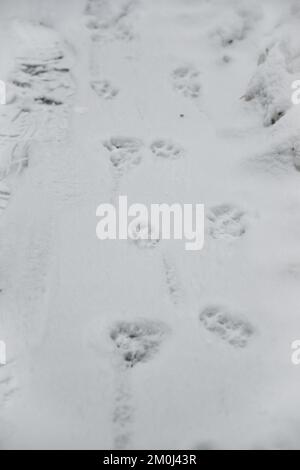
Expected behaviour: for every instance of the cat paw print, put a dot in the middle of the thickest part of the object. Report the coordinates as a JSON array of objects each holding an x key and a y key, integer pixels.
[
  {"x": 186, "y": 81},
  {"x": 226, "y": 222},
  {"x": 166, "y": 149},
  {"x": 226, "y": 326},
  {"x": 138, "y": 341},
  {"x": 124, "y": 152},
  {"x": 104, "y": 89}
]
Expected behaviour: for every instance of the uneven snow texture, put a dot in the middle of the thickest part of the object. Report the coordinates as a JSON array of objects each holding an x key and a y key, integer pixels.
[{"x": 141, "y": 344}]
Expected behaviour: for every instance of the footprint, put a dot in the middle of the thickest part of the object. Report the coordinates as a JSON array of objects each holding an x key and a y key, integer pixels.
[
  {"x": 226, "y": 221},
  {"x": 138, "y": 341},
  {"x": 104, "y": 89},
  {"x": 143, "y": 235},
  {"x": 227, "y": 326},
  {"x": 166, "y": 149},
  {"x": 186, "y": 81},
  {"x": 124, "y": 153}
]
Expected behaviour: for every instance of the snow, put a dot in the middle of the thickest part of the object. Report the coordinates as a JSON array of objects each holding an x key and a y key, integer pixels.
[{"x": 112, "y": 344}]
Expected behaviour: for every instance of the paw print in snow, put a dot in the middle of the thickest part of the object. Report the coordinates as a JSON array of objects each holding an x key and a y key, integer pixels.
[
  {"x": 186, "y": 81},
  {"x": 104, "y": 89},
  {"x": 166, "y": 149},
  {"x": 227, "y": 326},
  {"x": 226, "y": 222},
  {"x": 138, "y": 341}
]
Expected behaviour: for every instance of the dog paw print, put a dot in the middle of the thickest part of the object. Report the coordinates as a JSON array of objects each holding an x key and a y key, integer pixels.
[
  {"x": 186, "y": 81},
  {"x": 227, "y": 326},
  {"x": 124, "y": 153},
  {"x": 138, "y": 341},
  {"x": 104, "y": 89},
  {"x": 166, "y": 149},
  {"x": 226, "y": 222}
]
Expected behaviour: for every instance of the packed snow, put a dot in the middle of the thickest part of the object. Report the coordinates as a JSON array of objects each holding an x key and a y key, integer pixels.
[{"x": 122, "y": 344}]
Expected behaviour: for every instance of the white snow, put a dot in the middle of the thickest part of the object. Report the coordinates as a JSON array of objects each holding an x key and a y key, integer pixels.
[{"x": 114, "y": 344}]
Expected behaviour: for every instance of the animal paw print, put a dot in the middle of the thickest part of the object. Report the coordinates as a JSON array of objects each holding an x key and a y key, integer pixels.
[
  {"x": 186, "y": 81},
  {"x": 125, "y": 153},
  {"x": 166, "y": 149},
  {"x": 138, "y": 341},
  {"x": 226, "y": 221},
  {"x": 143, "y": 235},
  {"x": 104, "y": 89},
  {"x": 226, "y": 326},
  {"x": 124, "y": 33}
]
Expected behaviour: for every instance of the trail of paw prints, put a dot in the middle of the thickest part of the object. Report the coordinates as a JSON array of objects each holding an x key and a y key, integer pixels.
[
  {"x": 186, "y": 81},
  {"x": 136, "y": 342},
  {"x": 227, "y": 326},
  {"x": 125, "y": 153},
  {"x": 104, "y": 89},
  {"x": 227, "y": 221},
  {"x": 166, "y": 149}
]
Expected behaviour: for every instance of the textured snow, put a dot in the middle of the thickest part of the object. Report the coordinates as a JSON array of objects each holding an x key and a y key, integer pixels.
[{"x": 112, "y": 344}]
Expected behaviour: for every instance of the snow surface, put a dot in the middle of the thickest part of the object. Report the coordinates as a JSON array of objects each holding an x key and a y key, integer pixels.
[{"x": 124, "y": 345}]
